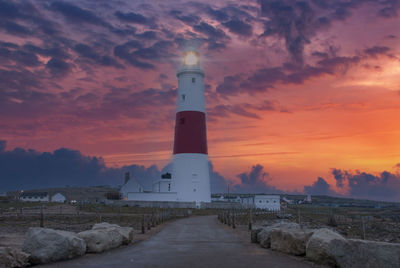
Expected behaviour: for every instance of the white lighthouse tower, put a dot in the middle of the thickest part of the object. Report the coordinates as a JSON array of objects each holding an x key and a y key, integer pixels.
[{"x": 190, "y": 176}]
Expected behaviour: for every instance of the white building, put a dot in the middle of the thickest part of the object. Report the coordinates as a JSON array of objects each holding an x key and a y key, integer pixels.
[
  {"x": 130, "y": 188},
  {"x": 58, "y": 198},
  {"x": 34, "y": 197},
  {"x": 268, "y": 202},
  {"x": 190, "y": 178},
  {"x": 162, "y": 186}
]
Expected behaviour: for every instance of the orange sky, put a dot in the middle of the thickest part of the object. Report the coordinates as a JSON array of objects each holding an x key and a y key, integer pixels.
[{"x": 332, "y": 103}]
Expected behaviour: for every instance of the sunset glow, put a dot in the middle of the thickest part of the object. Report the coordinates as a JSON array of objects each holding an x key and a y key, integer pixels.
[{"x": 298, "y": 101}]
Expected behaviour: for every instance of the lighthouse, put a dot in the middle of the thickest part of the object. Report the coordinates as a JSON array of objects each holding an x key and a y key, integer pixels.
[{"x": 190, "y": 176}]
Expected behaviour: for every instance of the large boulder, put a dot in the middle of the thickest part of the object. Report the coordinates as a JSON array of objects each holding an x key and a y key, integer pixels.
[
  {"x": 326, "y": 247},
  {"x": 125, "y": 232},
  {"x": 290, "y": 240},
  {"x": 264, "y": 236},
  {"x": 12, "y": 257},
  {"x": 370, "y": 254},
  {"x": 48, "y": 245},
  {"x": 102, "y": 239}
]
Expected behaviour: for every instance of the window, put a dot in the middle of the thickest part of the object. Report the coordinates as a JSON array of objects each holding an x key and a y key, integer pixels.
[
  {"x": 183, "y": 97},
  {"x": 193, "y": 80}
]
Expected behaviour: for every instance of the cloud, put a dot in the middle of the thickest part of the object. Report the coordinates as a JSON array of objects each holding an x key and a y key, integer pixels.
[
  {"x": 263, "y": 79},
  {"x": 190, "y": 19},
  {"x": 210, "y": 31},
  {"x": 376, "y": 51},
  {"x": 131, "y": 17},
  {"x": 296, "y": 22},
  {"x": 319, "y": 187},
  {"x": 58, "y": 67},
  {"x": 217, "y": 181},
  {"x": 384, "y": 186},
  {"x": 24, "y": 169},
  {"x": 88, "y": 52},
  {"x": 255, "y": 181},
  {"x": 3, "y": 145},
  {"x": 76, "y": 15},
  {"x": 125, "y": 53},
  {"x": 239, "y": 27},
  {"x": 29, "y": 169}
]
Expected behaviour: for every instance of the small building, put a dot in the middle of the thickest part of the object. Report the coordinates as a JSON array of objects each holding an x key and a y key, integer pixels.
[
  {"x": 130, "y": 187},
  {"x": 58, "y": 198},
  {"x": 163, "y": 185},
  {"x": 34, "y": 197},
  {"x": 269, "y": 202}
]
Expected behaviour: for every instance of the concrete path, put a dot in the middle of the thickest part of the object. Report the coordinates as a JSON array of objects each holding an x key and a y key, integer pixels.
[{"x": 191, "y": 242}]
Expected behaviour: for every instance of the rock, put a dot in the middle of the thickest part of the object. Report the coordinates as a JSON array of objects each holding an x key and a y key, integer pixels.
[
  {"x": 12, "y": 257},
  {"x": 254, "y": 234},
  {"x": 263, "y": 237},
  {"x": 290, "y": 240},
  {"x": 368, "y": 254},
  {"x": 326, "y": 247},
  {"x": 102, "y": 239},
  {"x": 125, "y": 232},
  {"x": 48, "y": 245}
]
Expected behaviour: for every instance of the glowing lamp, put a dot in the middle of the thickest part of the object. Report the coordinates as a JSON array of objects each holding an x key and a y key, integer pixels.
[{"x": 191, "y": 58}]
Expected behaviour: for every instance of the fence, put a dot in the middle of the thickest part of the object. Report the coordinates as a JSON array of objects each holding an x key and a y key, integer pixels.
[
  {"x": 373, "y": 224},
  {"x": 81, "y": 218}
]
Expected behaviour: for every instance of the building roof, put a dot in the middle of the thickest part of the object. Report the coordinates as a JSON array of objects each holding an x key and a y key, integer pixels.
[{"x": 33, "y": 194}]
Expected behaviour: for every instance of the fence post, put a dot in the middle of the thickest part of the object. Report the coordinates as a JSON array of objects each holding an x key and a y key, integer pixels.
[
  {"x": 60, "y": 210},
  {"x": 363, "y": 226},
  {"x": 298, "y": 216},
  {"x": 143, "y": 229},
  {"x": 250, "y": 220},
  {"x": 148, "y": 223},
  {"x": 41, "y": 216},
  {"x": 233, "y": 219},
  {"x": 153, "y": 224}
]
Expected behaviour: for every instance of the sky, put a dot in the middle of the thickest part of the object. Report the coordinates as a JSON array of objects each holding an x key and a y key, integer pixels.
[{"x": 302, "y": 96}]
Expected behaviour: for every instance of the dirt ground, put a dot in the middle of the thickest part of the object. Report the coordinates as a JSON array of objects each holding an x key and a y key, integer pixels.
[{"x": 14, "y": 223}]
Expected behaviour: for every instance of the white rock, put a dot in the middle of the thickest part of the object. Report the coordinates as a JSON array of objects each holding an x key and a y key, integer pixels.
[
  {"x": 290, "y": 240},
  {"x": 125, "y": 232},
  {"x": 102, "y": 239},
  {"x": 48, "y": 245},
  {"x": 12, "y": 257},
  {"x": 370, "y": 254},
  {"x": 264, "y": 236},
  {"x": 326, "y": 247}
]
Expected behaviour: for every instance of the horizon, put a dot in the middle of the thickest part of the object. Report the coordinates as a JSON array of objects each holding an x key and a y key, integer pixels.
[{"x": 299, "y": 97}]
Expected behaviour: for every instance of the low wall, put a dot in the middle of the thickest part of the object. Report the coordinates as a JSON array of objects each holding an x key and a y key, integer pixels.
[
  {"x": 152, "y": 204},
  {"x": 221, "y": 205}
]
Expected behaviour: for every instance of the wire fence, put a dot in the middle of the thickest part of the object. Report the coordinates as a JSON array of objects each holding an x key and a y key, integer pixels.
[
  {"x": 82, "y": 218},
  {"x": 379, "y": 225}
]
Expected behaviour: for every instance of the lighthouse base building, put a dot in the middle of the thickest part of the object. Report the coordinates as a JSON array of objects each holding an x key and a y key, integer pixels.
[{"x": 190, "y": 178}]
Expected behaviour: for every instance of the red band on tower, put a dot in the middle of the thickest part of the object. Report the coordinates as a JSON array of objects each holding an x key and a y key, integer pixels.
[{"x": 190, "y": 133}]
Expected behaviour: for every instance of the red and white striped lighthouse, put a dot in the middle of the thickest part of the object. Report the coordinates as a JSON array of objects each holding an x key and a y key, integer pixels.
[{"x": 190, "y": 177}]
